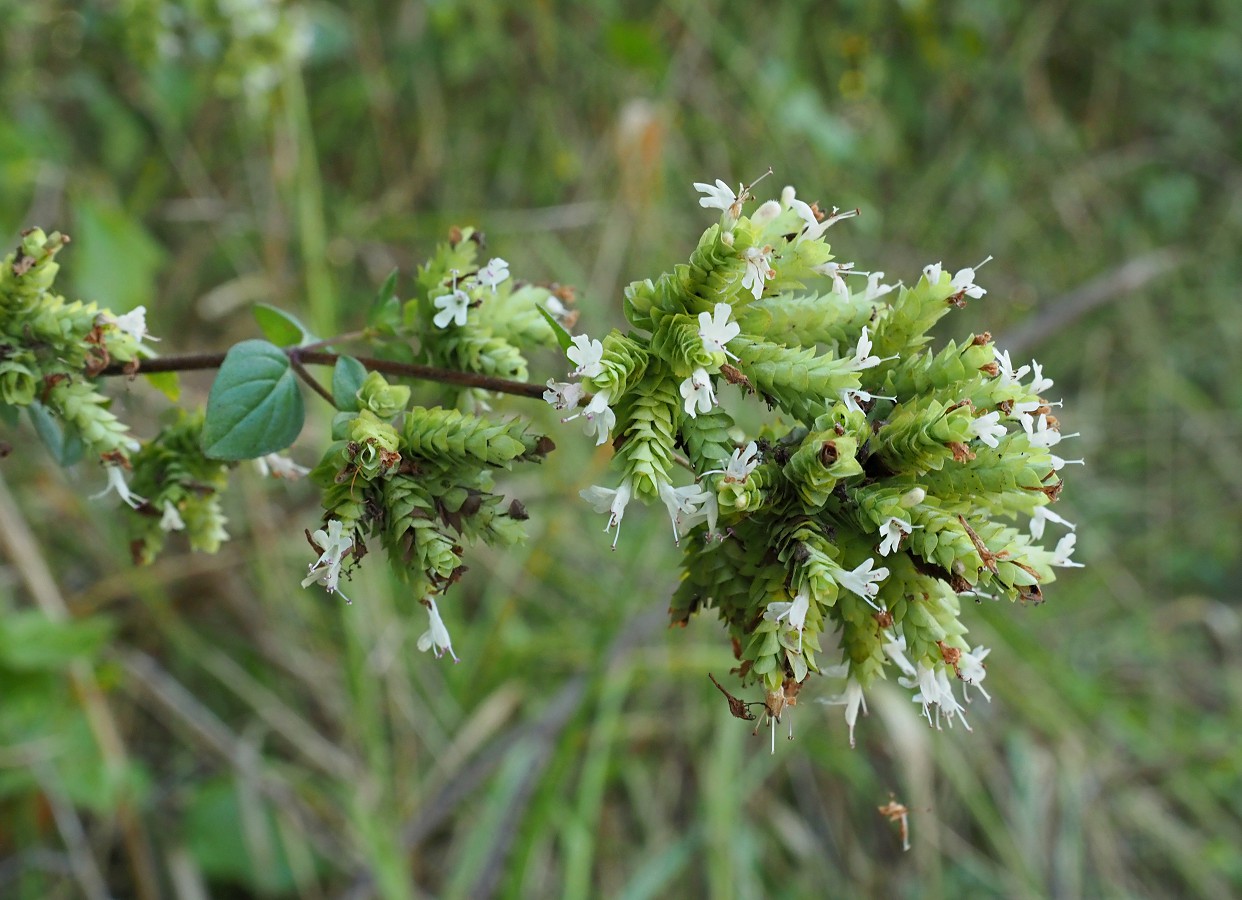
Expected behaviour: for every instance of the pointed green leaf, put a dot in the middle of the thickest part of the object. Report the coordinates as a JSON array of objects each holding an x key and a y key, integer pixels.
[
  {"x": 385, "y": 308},
  {"x": 347, "y": 376},
  {"x": 255, "y": 406},
  {"x": 281, "y": 328},
  {"x": 563, "y": 337},
  {"x": 167, "y": 383}
]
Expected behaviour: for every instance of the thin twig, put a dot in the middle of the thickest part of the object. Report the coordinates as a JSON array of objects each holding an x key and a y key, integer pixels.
[
  {"x": 295, "y": 363},
  {"x": 199, "y": 361}
]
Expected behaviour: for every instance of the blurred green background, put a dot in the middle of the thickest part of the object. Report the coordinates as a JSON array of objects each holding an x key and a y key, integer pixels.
[{"x": 206, "y": 727}]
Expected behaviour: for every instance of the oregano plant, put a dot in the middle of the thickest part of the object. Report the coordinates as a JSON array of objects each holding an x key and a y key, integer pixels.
[{"x": 889, "y": 481}]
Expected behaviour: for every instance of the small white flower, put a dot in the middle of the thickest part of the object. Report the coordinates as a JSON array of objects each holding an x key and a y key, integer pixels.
[
  {"x": 1008, "y": 376},
  {"x": 988, "y": 429},
  {"x": 492, "y": 274},
  {"x": 611, "y": 501},
  {"x": 1041, "y": 434},
  {"x": 587, "y": 354},
  {"x": 116, "y": 482},
  {"x": 720, "y": 196},
  {"x": 133, "y": 323},
  {"x": 875, "y": 290},
  {"x": 563, "y": 395},
  {"x": 1058, "y": 463},
  {"x": 851, "y": 698},
  {"x": 793, "y": 612},
  {"x": 740, "y": 464},
  {"x": 276, "y": 465},
  {"x": 171, "y": 520},
  {"x": 835, "y": 271},
  {"x": 599, "y": 418},
  {"x": 964, "y": 282},
  {"x": 862, "y": 354},
  {"x": 894, "y": 531},
  {"x": 697, "y": 392},
  {"x": 758, "y": 269},
  {"x": 853, "y": 398},
  {"x": 708, "y": 512},
  {"x": 934, "y": 689},
  {"x": 453, "y": 307},
  {"x": 1039, "y": 384},
  {"x": 1041, "y": 515},
  {"x": 912, "y": 497},
  {"x": 1061, "y": 555},
  {"x": 972, "y": 671},
  {"x": 895, "y": 648},
  {"x": 766, "y": 213},
  {"x": 863, "y": 581},
  {"x": 333, "y": 546},
  {"x": 682, "y": 503},
  {"x": 716, "y": 330},
  {"x": 932, "y": 273},
  {"x": 436, "y": 637},
  {"x": 1022, "y": 410}
]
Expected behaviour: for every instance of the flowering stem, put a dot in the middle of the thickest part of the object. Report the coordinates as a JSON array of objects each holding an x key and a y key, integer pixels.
[{"x": 299, "y": 356}]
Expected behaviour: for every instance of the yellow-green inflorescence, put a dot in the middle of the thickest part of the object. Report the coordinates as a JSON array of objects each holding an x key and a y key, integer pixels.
[{"x": 892, "y": 481}]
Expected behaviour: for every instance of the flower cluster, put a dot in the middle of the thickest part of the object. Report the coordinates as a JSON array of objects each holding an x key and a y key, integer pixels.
[{"x": 897, "y": 490}]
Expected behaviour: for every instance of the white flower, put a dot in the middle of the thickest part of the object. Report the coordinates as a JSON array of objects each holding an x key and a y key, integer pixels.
[
  {"x": 708, "y": 512},
  {"x": 935, "y": 690},
  {"x": 1058, "y": 463},
  {"x": 988, "y": 429},
  {"x": 765, "y": 214},
  {"x": 815, "y": 225},
  {"x": 758, "y": 269},
  {"x": 862, "y": 581},
  {"x": 875, "y": 290},
  {"x": 835, "y": 270},
  {"x": 587, "y": 354},
  {"x": 862, "y": 354},
  {"x": 171, "y": 520},
  {"x": 895, "y": 648},
  {"x": 894, "y": 531},
  {"x": 720, "y": 196},
  {"x": 563, "y": 395},
  {"x": 972, "y": 671},
  {"x": 716, "y": 330},
  {"x": 1022, "y": 410},
  {"x": 964, "y": 282},
  {"x": 740, "y": 464},
  {"x": 278, "y": 466},
  {"x": 453, "y": 307},
  {"x": 1041, "y": 515},
  {"x": 853, "y": 398},
  {"x": 1040, "y": 434},
  {"x": 795, "y": 612},
  {"x": 1039, "y": 384},
  {"x": 912, "y": 497},
  {"x": 697, "y": 391},
  {"x": 610, "y": 501},
  {"x": 682, "y": 503},
  {"x": 333, "y": 546},
  {"x": 133, "y": 323},
  {"x": 492, "y": 274},
  {"x": 599, "y": 418},
  {"x": 1061, "y": 555},
  {"x": 116, "y": 482},
  {"x": 1008, "y": 376},
  {"x": 851, "y": 698},
  {"x": 436, "y": 637},
  {"x": 932, "y": 273}
]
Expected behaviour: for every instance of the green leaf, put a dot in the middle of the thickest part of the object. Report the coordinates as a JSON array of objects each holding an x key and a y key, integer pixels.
[
  {"x": 255, "y": 406},
  {"x": 385, "y": 309},
  {"x": 347, "y": 376},
  {"x": 29, "y": 641},
  {"x": 281, "y": 328},
  {"x": 167, "y": 383},
  {"x": 65, "y": 444},
  {"x": 563, "y": 337}
]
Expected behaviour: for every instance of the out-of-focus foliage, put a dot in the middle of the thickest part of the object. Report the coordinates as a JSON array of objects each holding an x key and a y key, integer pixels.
[{"x": 273, "y": 743}]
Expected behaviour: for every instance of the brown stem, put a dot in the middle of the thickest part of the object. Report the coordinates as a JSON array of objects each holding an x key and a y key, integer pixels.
[
  {"x": 198, "y": 361},
  {"x": 295, "y": 362}
]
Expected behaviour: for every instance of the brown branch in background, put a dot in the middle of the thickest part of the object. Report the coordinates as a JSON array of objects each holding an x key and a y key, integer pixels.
[
  {"x": 190, "y": 362},
  {"x": 1068, "y": 308}
]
